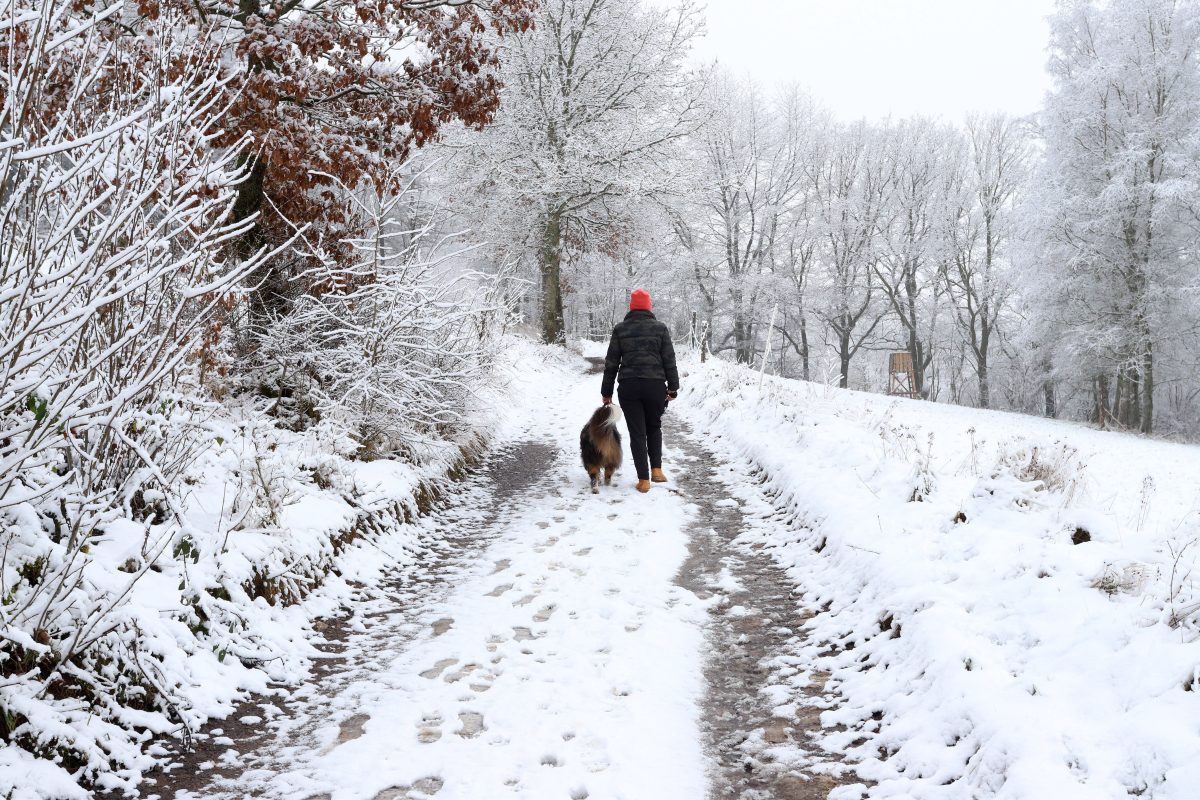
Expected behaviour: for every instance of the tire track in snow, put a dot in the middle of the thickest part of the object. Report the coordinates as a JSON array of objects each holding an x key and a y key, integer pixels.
[{"x": 763, "y": 705}]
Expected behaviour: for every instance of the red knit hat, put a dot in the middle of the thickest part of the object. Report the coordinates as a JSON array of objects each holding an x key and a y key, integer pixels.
[{"x": 639, "y": 300}]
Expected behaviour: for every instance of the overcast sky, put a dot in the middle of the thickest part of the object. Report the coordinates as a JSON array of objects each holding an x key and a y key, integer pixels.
[{"x": 871, "y": 58}]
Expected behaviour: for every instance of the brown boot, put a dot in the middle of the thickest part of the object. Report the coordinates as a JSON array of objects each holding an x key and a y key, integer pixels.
[
  {"x": 643, "y": 486},
  {"x": 658, "y": 476}
]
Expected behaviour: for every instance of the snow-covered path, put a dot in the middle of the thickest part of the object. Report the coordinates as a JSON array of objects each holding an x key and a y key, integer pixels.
[
  {"x": 791, "y": 598},
  {"x": 551, "y": 643},
  {"x": 564, "y": 666},
  {"x": 559, "y": 660}
]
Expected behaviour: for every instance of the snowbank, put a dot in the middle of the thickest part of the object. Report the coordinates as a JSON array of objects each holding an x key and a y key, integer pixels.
[
  {"x": 275, "y": 526},
  {"x": 1004, "y": 603}
]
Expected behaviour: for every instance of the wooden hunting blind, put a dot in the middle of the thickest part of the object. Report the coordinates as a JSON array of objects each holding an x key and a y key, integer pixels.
[{"x": 901, "y": 380}]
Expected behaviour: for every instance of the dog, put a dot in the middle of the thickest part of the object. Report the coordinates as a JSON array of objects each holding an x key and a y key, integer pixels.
[{"x": 600, "y": 445}]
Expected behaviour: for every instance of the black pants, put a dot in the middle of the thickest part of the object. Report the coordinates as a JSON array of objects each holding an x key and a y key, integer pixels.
[{"x": 643, "y": 402}]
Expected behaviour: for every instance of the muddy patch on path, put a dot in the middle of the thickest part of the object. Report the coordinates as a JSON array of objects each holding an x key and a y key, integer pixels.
[{"x": 756, "y": 621}]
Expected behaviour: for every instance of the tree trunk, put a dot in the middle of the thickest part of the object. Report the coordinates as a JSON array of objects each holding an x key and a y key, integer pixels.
[
  {"x": 804, "y": 347},
  {"x": 743, "y": 330},
  {"x": 916, "y": 348},
  {"x": 741, "y": 337},
  {"x": 1148, "y": 389},
  {"x": 1120, "y": 408},
  {"x": 268, "y": 287},
  {"x": 1050, "y": 401},
  {"x": 550, "y": 256},
  {"x": 844, "y": 358},
  {"x": 981, "y": 363},
  {"x": 985, "y": 400},
  {"x": 1101, "y": 415},
  {"x": 917, "y": 352}
]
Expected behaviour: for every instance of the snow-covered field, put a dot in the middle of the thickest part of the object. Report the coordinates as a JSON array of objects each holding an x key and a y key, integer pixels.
[{"x": 978, "y": 650}]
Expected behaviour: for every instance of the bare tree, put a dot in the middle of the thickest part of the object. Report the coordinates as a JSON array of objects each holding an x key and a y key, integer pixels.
[
  {"x": 598, "y": 97},
  {"x": 910, "y": 263},
  {"x": 981, "y": 190},
  {"x": 850, "y": 183}
]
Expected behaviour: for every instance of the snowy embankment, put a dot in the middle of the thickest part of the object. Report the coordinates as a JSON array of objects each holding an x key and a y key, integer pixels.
[
  {"x": 1006, "y": 604},
  {"x": 276, "y": 526}
]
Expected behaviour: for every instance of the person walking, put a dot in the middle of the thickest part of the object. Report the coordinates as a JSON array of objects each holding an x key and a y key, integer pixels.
[{"x": 642, "y": 356}]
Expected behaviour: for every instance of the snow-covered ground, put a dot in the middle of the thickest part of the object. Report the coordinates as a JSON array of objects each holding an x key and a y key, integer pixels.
[
  {"x": 985, "y": 606},
  {"x": 564, "y": 663},
  {"x": 978, "y": 650},
  {"x": 268, "y": 517}
]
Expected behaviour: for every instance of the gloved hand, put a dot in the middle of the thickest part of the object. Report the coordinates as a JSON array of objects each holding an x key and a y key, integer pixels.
[
  {"x": 607, "y": 399},
  {"x": 673, "y": 395}
]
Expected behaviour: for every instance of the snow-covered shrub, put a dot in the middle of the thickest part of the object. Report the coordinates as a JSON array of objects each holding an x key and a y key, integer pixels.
[
  {"x": 113, "y": 216},
  {"x": 1056, "y": 468},
  {"x": 1183, "y": 594},
  {"x": 391, "y": 352}
]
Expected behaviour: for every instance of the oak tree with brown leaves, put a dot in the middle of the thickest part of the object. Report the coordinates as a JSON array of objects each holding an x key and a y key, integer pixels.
[{"x": 332, "y": 92}]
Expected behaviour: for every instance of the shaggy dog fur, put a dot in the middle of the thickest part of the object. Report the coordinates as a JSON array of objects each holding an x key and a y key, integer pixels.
[{"x": 600, "y": 445}]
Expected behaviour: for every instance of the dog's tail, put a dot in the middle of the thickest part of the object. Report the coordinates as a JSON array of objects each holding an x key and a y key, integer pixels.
[
  {"x": 604, "y": 419},
  {"x": 614, "y": 415}
]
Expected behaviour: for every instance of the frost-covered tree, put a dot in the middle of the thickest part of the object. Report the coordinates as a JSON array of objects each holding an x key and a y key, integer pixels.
[
  {"x": 979, "y": 226},
  {"x": 744, "y": 223},
  {"x": 1119, "y": 182},
  {"x": 735, "y": 207},
  {"x": 114, "y": 221},
  {"x": 793, "y": 255},
  {"x": 597, "y": 97},
  {"x": 330, "y": 92},
  {"x": 911, "y": 252},
  {"x": 392, "y": 351},
  {"x": 850, "y": 183}
]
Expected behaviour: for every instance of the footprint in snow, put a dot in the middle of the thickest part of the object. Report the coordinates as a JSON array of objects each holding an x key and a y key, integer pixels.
[
  {"x": 429, "y": 729},
  {"x": 545, "y": 613},
  {"x": 502, "y": 565},
  {"x": 437, "y": 668},
  {"x": 442, "y": 625},
  {"x": 499, "y": 590},
  {"x": 459, "y": 674},
  {"x": 483, "y": 684},
  {"x": 349, "y": 730},
  {"x": 426, "y": 787},
  {"x": 472, "y": 724}
]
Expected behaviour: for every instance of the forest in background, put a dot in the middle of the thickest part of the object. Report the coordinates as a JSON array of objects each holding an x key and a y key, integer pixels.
[
  {"x": 1044, "y": 265},
  {"x": 308, "y": 225}
]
